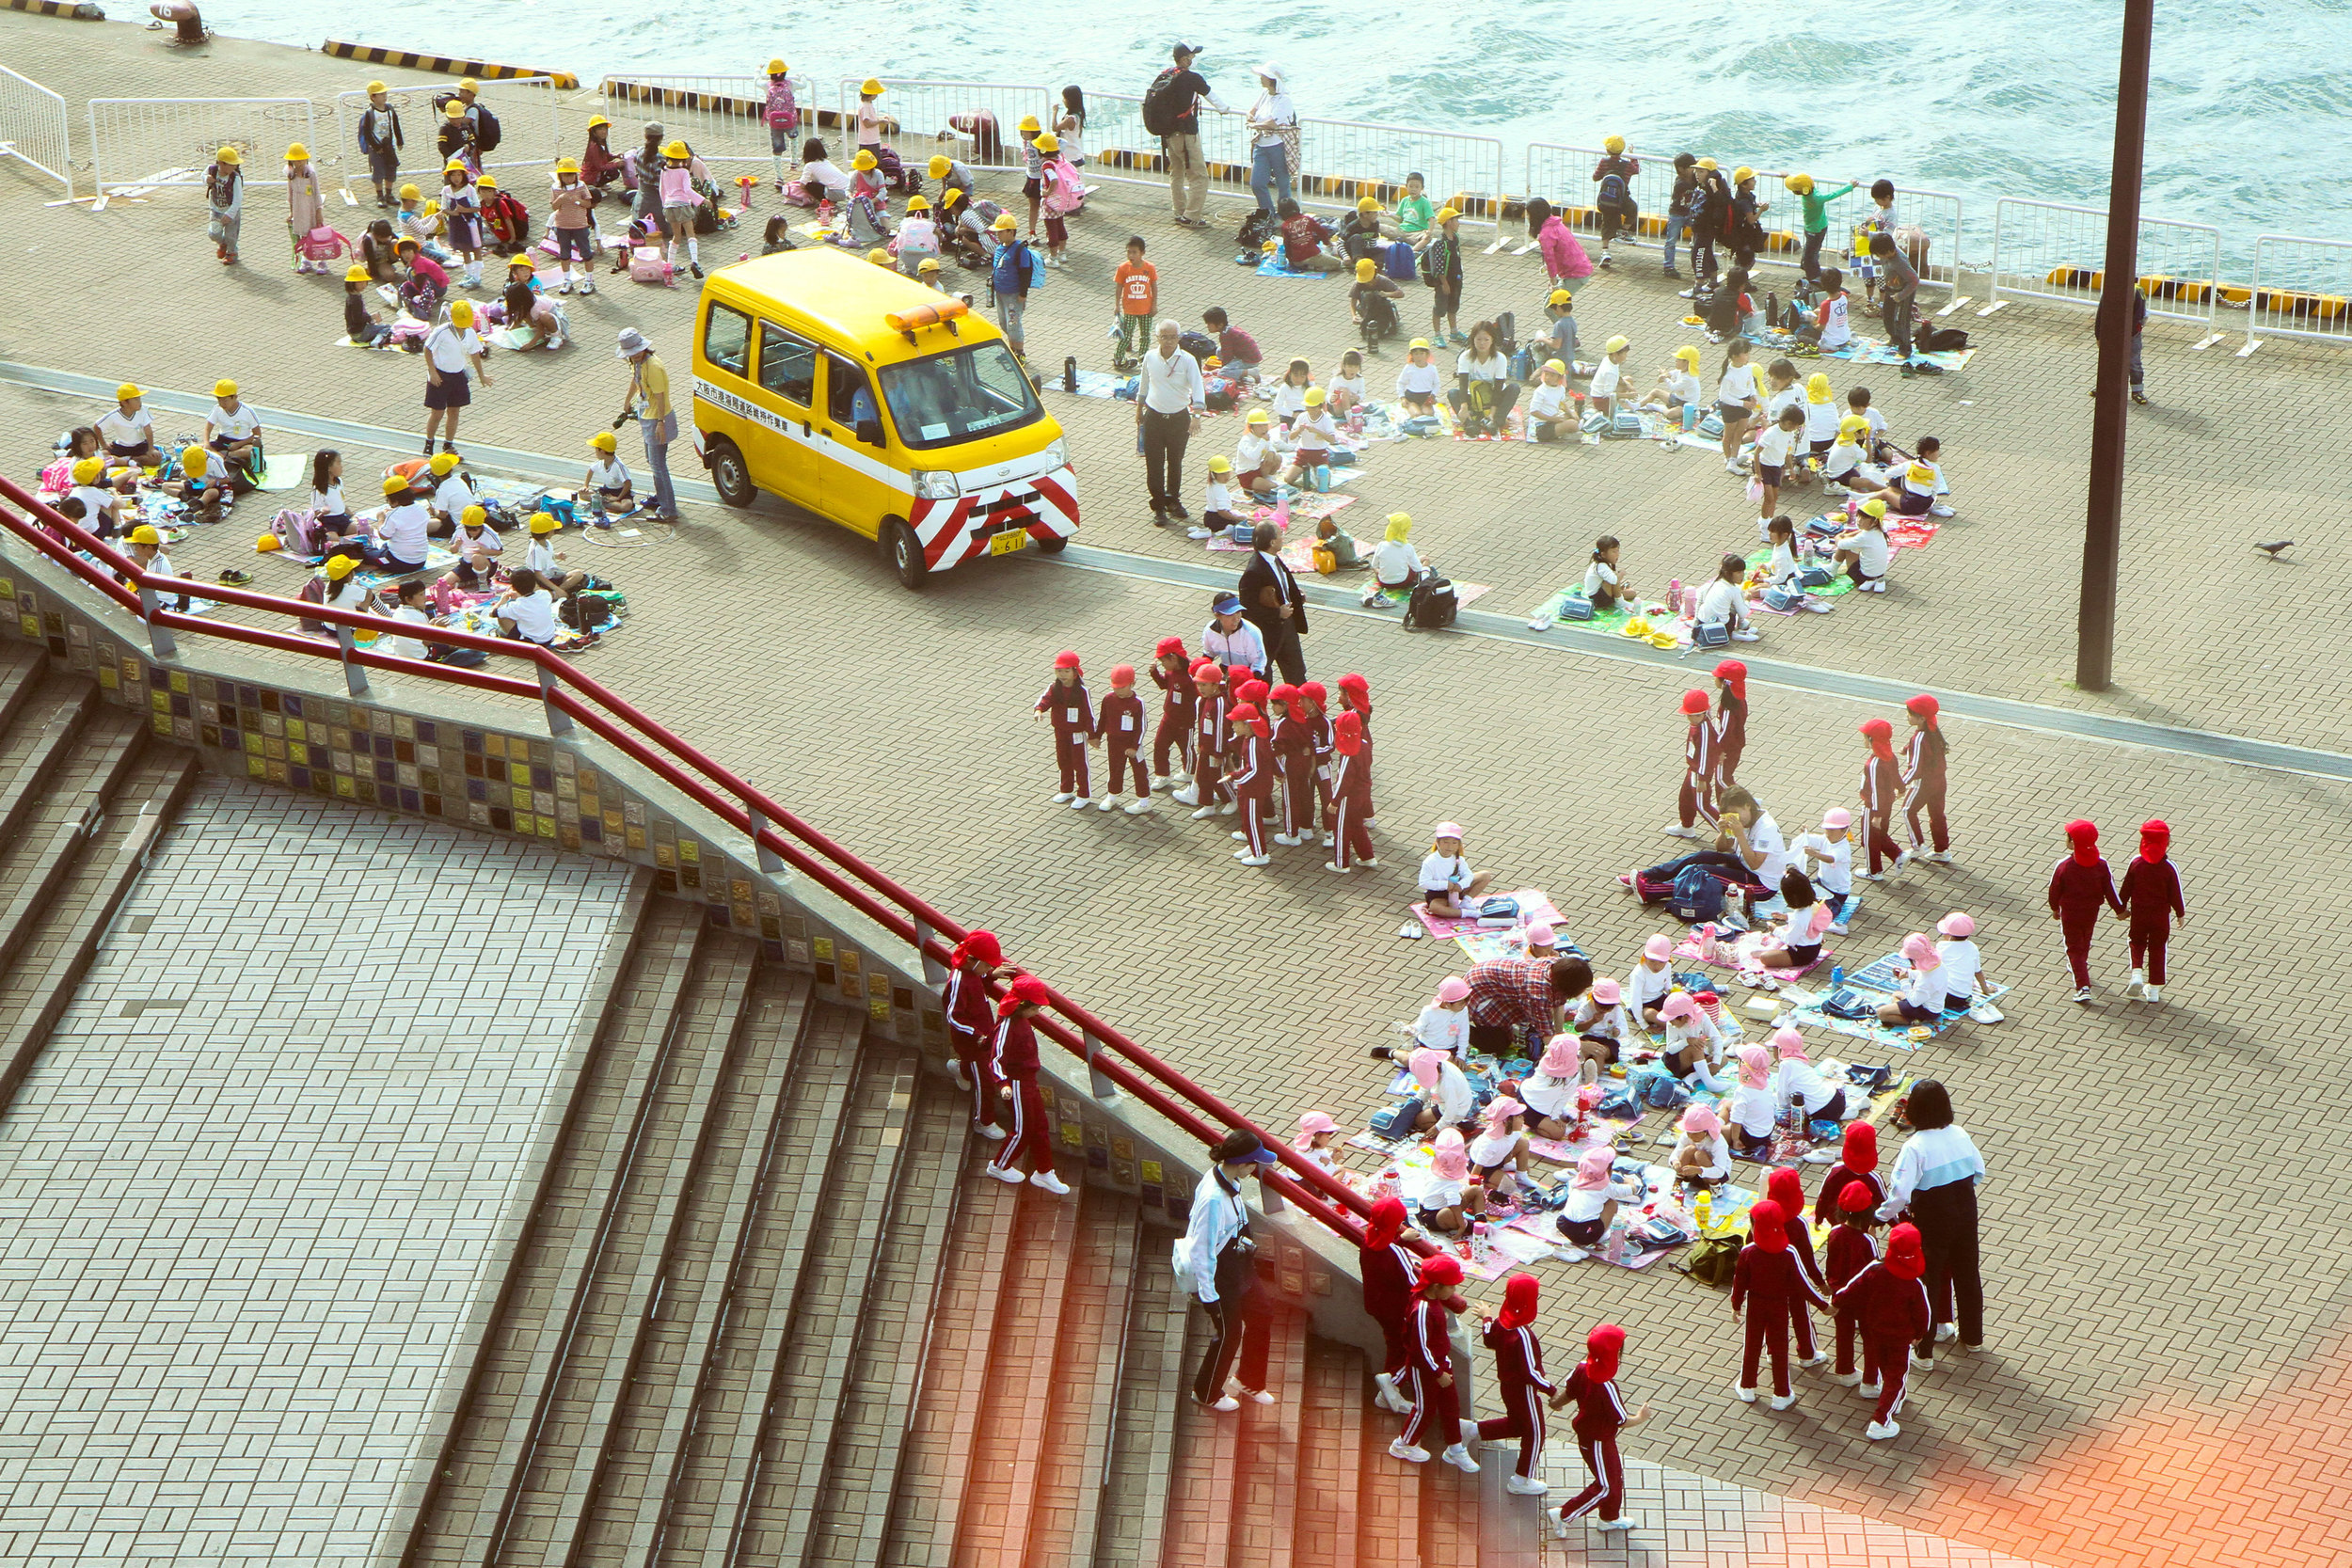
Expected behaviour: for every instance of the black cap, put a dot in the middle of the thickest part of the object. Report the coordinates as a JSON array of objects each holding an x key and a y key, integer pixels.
[{"x": 1182, "y": 49}]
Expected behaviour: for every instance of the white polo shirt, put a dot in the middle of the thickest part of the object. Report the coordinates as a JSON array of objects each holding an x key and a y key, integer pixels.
[
  {"x": 534, "y": 615},
  {"x": 118, "y": 429}
]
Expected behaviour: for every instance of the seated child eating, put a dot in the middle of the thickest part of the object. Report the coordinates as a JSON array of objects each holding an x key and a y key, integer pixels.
[
  {"x": 1701, "y": 1157},
  {"x": 1863, "y": 555},
  {"x": 1447, "y": 880},
  {"x": 1256, "y": 459},
  {"x": 1500, "y": 1152},
  {"x": 1346, "y": 388},
  {"x": 1803, "y": 927},
  {"x": 1216, "y": 501},
  {"x": 1314, "y": 435},
  {"x": 1451, "y": 1202},
  {"x": 1845, "y": 468},
  {"x": 1593, "y": 1194}
]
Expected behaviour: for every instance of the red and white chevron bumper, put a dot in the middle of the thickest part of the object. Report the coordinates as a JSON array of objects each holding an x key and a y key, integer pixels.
[{"x": 985, "y": 521}]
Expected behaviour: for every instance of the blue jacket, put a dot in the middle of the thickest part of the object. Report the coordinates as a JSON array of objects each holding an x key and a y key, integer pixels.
[{"x": 1013, "y": 270}]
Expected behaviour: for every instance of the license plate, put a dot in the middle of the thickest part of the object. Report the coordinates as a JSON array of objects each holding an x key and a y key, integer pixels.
[{"x": 1004, "y": 544}]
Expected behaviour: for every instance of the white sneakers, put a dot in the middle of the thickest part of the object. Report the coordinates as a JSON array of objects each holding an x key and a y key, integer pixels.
[
  {"x": 1459, "y": 1457},
  {"x": 1520, "y": 1487},
  {"x": 1387, "y": 1397},
  {"x": 1234, "y": 1385},
  {"x": 1819, "y": 1358},
  {"x": 1247, "y": 858},
  {"x": 992, "y": 1133},
  {"x": 1676, "y": 830},
  {"x": 1290, "y": 841},
  {"x": 1781, "y": 1402},
  {"x": 1063, "y": 798},
  {"x": 1947, "y": 1332},
  {"x": 1051, "y": 1183},
  {"x": 1012, "y": 1178},
  {"x": 1225, "y": 1405},
  {"x": 1847, "y": 1380},
  {"x": 1746, "y": 634},
  {"x": 2137, "y": 983},
  {"x": 1879, "y": 1431},
  {"x": 1621, "y": 1522},
  {"x": 1139, "y": 806},
  {"x": 1942, "y": 857},
  {"x": 1228, "y": 808},
  {"x": 1204, "y": 813},
  {"x": 2082, "y": 993},
  {"x": 1188, "y": 796},
  {"x": 1921, "y": 1363},
  {"x": 1403, "y": 1451},
  {"x": 1744, "y": 1394},
  {"x": 1868, "y": 1390},
  {"x": 1079, "y": 802},
  {"x": 2153, "y": 993}
]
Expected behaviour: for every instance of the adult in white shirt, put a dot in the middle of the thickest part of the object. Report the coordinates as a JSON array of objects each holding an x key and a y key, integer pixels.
[
  {"x": 527, "y": 610},
  {"x": 1273, "y": 127},
  {"x": 1168, "y": 405},
  {"x": 1936, "y": 1181},
  {"x": 1221, "y": 1265},
  {"x": 128, "y": 429},
  {"x": 1484, "y": 393},
  {"x": 451, "y": 349},
  {"x": 1230, "y": 639},
  {"x": 1724, "y": 603},
  {"x": 233, "y": 431}
]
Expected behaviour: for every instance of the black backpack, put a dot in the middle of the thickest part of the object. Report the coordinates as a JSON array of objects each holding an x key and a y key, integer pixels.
[
  {"x": 1256, "y": 229},
  {"x": 1199, "y": 344},
  {"x": 486, "y": 131},
  {"x": 1160, "y": 108},
  {"x": 1432, "y": 604}
]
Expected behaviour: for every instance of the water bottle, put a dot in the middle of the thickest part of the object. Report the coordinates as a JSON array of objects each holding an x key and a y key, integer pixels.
[
  {"x": 1478, "y": 1242},
  {"x": 1703, "y": 1211},
  {"x": 1771, "y": 309},
  {"x": 1837, "y": 975},
  {"x": 1689, "y": 416},
  {"x": 1070, "y": 373}
]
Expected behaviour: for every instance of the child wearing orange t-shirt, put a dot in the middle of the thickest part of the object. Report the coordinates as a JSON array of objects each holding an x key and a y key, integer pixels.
[{"x": 1136, "y": 284}]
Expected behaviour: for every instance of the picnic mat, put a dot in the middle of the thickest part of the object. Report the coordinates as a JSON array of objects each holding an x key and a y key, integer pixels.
[
  {"x": 1463, "y": 594},
  {"x": 1839, "y": 582},
  {"x": 285, "y": 472},
  {"x": 1861, "y": 353},
  {"x": 1272, "y": 265},
  {"x": 1606, "y": 621},
  {"x": 1808, "y": 1014},
  {"x": 1091, "y": 384},
  {"x": 1535, "y": 905},
  {"x": 1305, "y": 506},
  {"x": 1743, "y": 949}
]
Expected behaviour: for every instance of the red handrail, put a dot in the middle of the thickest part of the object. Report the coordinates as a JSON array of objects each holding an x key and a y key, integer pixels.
[{"x": 716, "y": 788}]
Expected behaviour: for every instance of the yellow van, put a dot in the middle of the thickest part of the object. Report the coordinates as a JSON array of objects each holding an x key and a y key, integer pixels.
[{"x": 898, "y": 412}]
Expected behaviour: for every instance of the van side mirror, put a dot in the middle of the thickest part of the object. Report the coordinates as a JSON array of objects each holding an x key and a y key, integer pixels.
[{"x": 870, "y": 432}]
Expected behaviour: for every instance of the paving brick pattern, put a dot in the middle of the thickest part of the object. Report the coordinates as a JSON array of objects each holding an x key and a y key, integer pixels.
[
  {"x": 249, "y": 1183},
  {"x": 2124, "y": 1357}
]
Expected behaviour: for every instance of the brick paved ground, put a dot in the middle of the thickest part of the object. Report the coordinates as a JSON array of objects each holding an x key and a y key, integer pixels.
[
  {"x": 248, "y": 1186},
  {"x": 2142, "y": 1343}
]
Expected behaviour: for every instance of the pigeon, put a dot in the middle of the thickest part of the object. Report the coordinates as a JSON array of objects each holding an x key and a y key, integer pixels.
[{"x": 2272, "y": 549}]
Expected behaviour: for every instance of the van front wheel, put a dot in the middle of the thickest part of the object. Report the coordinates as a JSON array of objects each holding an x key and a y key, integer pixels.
[
  {"x": 727, "y": 472},
  {"x": 905, "y": 554},
  {"x": 1053, "y": 544}
]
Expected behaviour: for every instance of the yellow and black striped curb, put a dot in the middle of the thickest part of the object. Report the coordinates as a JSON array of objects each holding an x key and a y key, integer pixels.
[
  {"x": 78, "y": 11},
  {"x": 621, "y": 89},
  {"x": 407, "y": 60}
]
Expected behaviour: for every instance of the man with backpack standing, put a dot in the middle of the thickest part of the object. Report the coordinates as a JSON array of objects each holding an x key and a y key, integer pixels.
[{"x": 1171, "y": 111}]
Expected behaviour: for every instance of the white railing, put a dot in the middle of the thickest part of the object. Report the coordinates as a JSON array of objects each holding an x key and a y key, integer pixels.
[
  {"x": 2302, "y": 289},
  {"x": 530, "y": 132},
  {"x": 171, "y": 141},
  {"x": 35, "y": 129},
  {"x": 975, "y": 122},
  {"x": 1118, "y": 148},
  {"x": 2050, "y": 251},
  {"x": 724, "y": 118}
]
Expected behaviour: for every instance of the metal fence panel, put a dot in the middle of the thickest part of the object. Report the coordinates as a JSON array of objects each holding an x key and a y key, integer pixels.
[
  {"x": 1340, "y": 160},
  {"x": 975, "y": 123},
  {"x": 724, "y": 118},
  {"x": 1120, "y": 148},
  {"x": 530, "y": 131},
  {"x": 2302, "y": 289},
  {"x": 2050, "y": 251},
  {"x": 34, "y": 128},
  {"x": 171, "y": 141}
]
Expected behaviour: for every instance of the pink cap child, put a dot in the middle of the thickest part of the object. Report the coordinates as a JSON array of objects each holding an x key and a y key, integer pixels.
[
  {"x": 1700, "y": 1154},
  {"x": 1450, "y": 1201},
  {"x": 1316, "y": 1131},
  {"x": 1922, "y": 998}
]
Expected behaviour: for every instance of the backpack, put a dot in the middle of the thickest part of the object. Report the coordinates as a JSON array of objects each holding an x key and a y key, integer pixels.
[
  {"x": 1432, "y": 604},
  {"x": 1397, "y": 261},
  {"x": 1065, "y": 193},
  {"x": 1256, "y": 228},
  {"x": 1713, "y": 1259},
  {"x": 782, "y": 108},
  {"x": 486, "y": 131},
  {"x": 1611, "y": 193},
  {"x": 1199, "y": 344},
  {"x": 1379, "y": 315},
  {"x": 588, "y": 611},
  {"x": 1698, "y": 895},
  {"x": 1160, "y": 108}
]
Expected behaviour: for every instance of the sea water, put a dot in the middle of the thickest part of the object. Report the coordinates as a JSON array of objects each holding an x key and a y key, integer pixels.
[{"x": 2249, "y": 102}]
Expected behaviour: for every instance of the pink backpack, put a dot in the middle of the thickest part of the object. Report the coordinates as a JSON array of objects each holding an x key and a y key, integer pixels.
[
  {"x": 647, "y": 264},
  {"x": 1065, "y": 193},
  {"x": 323, "y": 243},
  {"x": 297, "y": 532}
]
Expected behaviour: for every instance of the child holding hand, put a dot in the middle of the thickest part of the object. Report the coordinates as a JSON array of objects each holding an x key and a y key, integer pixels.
[
  {"x": 1850, "y": 1250},
  {"x": 1065, "y": 702},
  {"x": 1119, "y": 725},
  {"x": 2150, "y": 897}
]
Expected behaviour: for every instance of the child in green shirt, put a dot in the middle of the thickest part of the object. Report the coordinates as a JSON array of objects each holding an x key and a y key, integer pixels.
[
  {"x": 1815, "y": 218},
  {"x": 1416, "y": 214}
]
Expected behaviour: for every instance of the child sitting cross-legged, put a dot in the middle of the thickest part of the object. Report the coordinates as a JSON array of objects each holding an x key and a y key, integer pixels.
[
  {"x": 1216, "y": 501},
  {"x": 1396, "y": 565}
]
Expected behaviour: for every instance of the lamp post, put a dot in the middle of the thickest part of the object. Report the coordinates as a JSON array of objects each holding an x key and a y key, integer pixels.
[{"x": 2103, "y": 529}]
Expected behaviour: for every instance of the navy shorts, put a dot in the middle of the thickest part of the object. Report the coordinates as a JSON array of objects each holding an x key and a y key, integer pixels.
[
  {"x": 453, "y": 390},
  {"x": 1913, "y": 1013},
  {"x": 1583, "y": 1233}
]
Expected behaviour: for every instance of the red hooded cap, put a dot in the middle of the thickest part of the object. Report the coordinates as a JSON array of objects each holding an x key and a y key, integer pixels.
[
  {"x": 1313, "y": 692},
  {"x": 981, "y": 945},
  {"x": 1879, "y": 733},
  {"x": 1905, "y": 1258},
  {"x": 1854, "y": 1196},
  {"x": 1285, "y": 692},
  {"x": 1066, "y": 659},
  {"x": 1347, "y": 734},
  {"x": 1734, "y": 674},
  {"x": 1122, "y": 675},
  {"x": 1786, "y": 1188},
  {"x": 1252, "y": 692},
  {"x": 1246, "y": 715},
  {"x": 1695, "y": 704},
  {"x": 1603, "y": 1347},
  {"x": 1355, "y": 687},
  {"x": 1768, "y": 1226},
  {"x": 1861, "y": 1148},
  {"x": 1518, "y": 1302},
  {"x": 1386, "y": 1224},
  {"x": 2154, "y": 839},
  {"x": 1169, "y": 645},
  {"x": 1208, "y": 673},
  {"x": 1437, "y": 1274},
  {"x": 1924, "y": 708},
  {"x": 1026, "y": 988},
  {"x": 2083, "y": 836}
]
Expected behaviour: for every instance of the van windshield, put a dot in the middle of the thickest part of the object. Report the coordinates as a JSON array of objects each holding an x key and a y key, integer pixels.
[{"x": 980, "y": 390}]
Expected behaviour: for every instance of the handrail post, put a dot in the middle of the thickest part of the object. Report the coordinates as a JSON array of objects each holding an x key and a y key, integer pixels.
[
  {"x": 934, "y": 973},
  {"x": 355, "y": 675},
  {"x": 769, "y": 859},
  {"x": 558, "y": 721},
  {"x": 1099, "y": 1082},
  {"x": 159, "y": 637}
]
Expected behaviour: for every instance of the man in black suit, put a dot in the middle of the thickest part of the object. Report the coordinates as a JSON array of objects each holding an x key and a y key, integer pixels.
[{"x": 1270, "y": 598}]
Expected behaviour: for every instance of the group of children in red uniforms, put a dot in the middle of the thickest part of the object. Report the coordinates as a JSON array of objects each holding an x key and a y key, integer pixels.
[
  {"x": 994, "y": 1056},
  {"x": 1278, "y": 756}
]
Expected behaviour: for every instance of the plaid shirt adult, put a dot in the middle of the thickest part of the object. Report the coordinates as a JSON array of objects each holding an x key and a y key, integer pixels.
[{"x": 1511, "y": 993}]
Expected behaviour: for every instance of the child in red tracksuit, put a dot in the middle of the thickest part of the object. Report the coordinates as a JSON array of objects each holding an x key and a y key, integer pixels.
[
  {"x": 1520, "y": 1380},
  {"x": 1172, "y": 672},
  {"x": 1294, "y": 751},
  {"x": 1211, "y": 736},
  {"x": 1312, "y": 698},
  {"x": 1065, "y": 702},
  {"x": 972, "y": 1025},
  {"x": 1731, "y": 718},
  {"x": 1881, "y": 786},
  {"x": 1351, "y": 795},
  {"x": 1430, "y": 1366},
  {"x": 1923, "y": 779},
  {"x": 1252, "y": 759},
  {"x": 1768, "y": 1279},
  {"x": 2152, "y": 899},
  {"x": 1859, "y": 1163},
  {"x": 1696, "y": 800},
  {"x": 1783, "y": 1187},
  {"x": 1120, "y": 726},
  {"x": 1600, "y": 1416},
  {"x": 1891, "y": 1305},
  {"x": 2079, "y": 888},
  {"x": 1016, "y": 1066},
  {"x": 1388, "y": 1267},
  {"x": 1849, "y": 1251},
  {"x": 1356, "y": 698}
]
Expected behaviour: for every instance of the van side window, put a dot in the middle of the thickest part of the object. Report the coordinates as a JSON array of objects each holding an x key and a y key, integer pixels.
[
  {"x": 727, "y": 340},
  {"x": 848, "y": 398},
  {"x": 787, "y": 365}
]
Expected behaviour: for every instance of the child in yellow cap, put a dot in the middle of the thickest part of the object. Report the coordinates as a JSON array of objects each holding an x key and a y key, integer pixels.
[
  {"x": 1218, "y": 513},
  {"x": 782, "y": 114},
  {"x": 380, "y": 140},
  {"x": 224, "y": 201},
  {"x": 306, "y": 209},
  {"x": 606, "y": 489},
  {"x": 1033, "y": 168},
  {"x": 461, "y": 210},
  {"x": 1371, "y": 303},
  {"x": 1678, "y": 387},
  {"x": 1061, "y": 193},
  {"x": 359, "y": 324},
  {"x": 128, "y": 429}
]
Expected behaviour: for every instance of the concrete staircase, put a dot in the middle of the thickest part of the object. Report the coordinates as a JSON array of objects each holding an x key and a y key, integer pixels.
[{"x": 84, "y": 792}]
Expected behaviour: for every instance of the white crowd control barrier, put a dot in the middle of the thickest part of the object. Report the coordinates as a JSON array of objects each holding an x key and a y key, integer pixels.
[
  {"x": 1563, "y": 176},
  {"x": 974, "y": 123},
  {"x": 171, "y": 141},
  {"x": 2048, "y": 250},
  {"x": 34, "y": 127},
  {"x": 2302, "y": 289},
  {"x": 1340, "y": 160},
  {"x": 528, "y": 131},
  {"x": 724, "y": 118},
  {"x": 1118, "y": 148}
]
